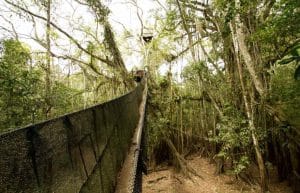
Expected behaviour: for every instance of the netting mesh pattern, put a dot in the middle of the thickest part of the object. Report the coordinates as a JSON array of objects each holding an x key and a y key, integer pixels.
[{"x": 78, "y": 152}]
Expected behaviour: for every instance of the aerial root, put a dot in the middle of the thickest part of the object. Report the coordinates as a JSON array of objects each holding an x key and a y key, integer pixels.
[{"x": 180, "y": 163}]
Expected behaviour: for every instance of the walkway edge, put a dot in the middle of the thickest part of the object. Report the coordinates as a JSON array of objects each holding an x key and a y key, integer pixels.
[{"x": 126, "y": 178}]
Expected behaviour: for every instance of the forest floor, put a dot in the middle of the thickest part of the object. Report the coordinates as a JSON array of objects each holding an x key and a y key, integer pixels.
[{"x": 168, "y": 181}]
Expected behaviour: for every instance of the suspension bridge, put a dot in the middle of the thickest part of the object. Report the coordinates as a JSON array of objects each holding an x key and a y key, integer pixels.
[{"x": 95, "y": 150}]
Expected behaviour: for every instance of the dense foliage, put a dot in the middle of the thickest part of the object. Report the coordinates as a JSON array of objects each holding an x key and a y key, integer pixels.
[
  {"x": 22, "y": 89},
  {"x": 230, "y": 90},
  {"x": 20, "y": 83},
  {"x": 238, "y": 102}
]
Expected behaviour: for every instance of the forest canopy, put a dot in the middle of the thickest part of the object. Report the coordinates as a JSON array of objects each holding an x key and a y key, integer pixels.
[{"x": 223, "y": 75}]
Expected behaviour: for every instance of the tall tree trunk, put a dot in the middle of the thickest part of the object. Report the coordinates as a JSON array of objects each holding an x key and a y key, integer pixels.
[
  {"x": 250, "y": 117},
  {"x": 48, "y": 61},
  {"x": 240, "y": 36},
  {"x": 186, "y": 28}
]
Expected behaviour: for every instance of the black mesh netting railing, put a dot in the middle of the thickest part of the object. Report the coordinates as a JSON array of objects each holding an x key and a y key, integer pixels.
[{"x": 78, "y": 152}]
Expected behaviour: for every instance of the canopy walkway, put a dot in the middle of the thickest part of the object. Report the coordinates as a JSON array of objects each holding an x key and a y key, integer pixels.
[{"x": 96, "y": 150}]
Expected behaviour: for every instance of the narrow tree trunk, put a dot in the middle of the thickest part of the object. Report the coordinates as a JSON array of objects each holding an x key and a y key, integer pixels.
[
  {"x": 181, "y": 127},
  {"x": 48, "y": 93},
  {"x": 185, "y": 26}
]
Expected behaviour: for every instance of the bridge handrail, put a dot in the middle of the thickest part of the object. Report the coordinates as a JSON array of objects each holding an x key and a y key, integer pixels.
[{"x": 130, "y": 178}]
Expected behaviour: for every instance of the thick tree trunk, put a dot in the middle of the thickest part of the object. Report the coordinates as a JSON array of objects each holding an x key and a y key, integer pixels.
[
  {"x": 259, "y": 157},
  {"x": 249, "y": 114},
  {"x": 240, "y": 36},
  {"x": 101, "y": 11},
  {"x": 112, "y": 47},
  {"x": 116, "y": 54}
]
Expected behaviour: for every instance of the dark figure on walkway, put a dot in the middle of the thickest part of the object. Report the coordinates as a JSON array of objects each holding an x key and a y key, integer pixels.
[{"x": 139, "y": 74}]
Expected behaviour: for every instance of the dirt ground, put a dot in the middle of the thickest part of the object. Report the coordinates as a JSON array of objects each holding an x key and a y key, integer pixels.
[{"x": 168, "y": 181}]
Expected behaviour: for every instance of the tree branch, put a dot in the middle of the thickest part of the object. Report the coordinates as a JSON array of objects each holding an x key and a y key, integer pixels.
[{"x": 62, "y": 31}]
